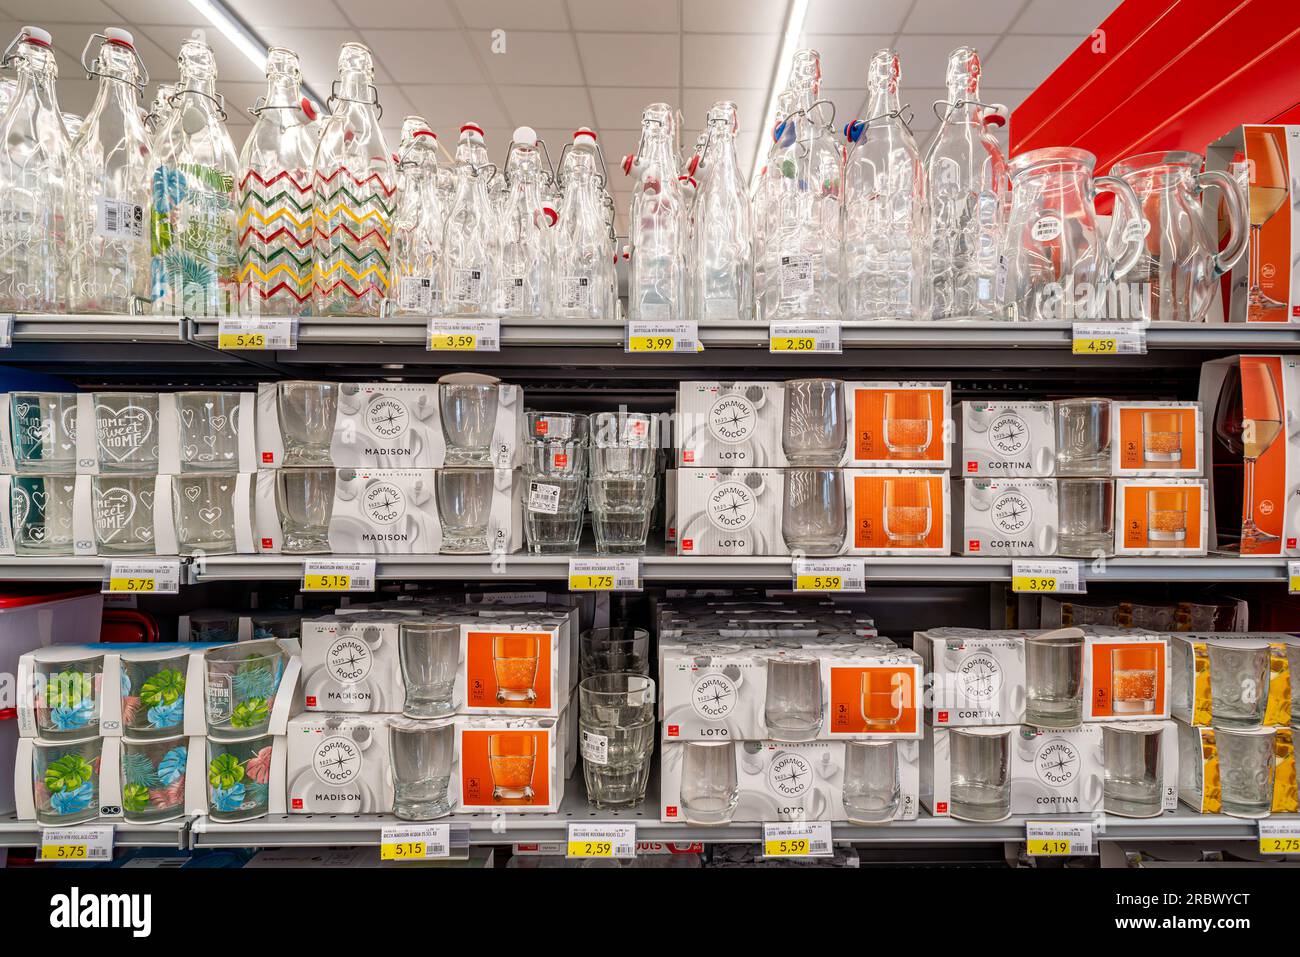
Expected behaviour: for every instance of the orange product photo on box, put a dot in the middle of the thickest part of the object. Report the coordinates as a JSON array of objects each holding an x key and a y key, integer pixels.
[
  {"x": 508, "y": 669},
  {"x": 880, "y": 698},
  {"x": 1158, "y": 438},
  {"x": 898, "y": 511},
  {"x": 1160, "y": 515},
  {"x": 1128, "y": 678},
  {"x": 1263, "y": 418},
  {"x": 1270, "y": 224},
  {"x": 505, "y": 766},
  {"x": 898, "y": 424}
]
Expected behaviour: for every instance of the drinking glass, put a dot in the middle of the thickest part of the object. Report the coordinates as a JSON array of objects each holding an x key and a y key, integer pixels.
[
  {"x": 514, "y": 666},
  {"x": 209, "y": 431},
  {"x": 607, "y": 650},
  {"x": 214, "y": 626},
  {"x": 67, "y": 697},
  {"x": 240, "y": 689},
  {"x": 44, "y": 429},
  {"x": 814, "y": 514},
  {"x": 305, "y": 500},
  {"x": 153, "y": 695},
  {"x": 979, "y": 765},
  {"x": 1239, "y": 673},
  {"x": 617, "y": 699},
  {"x": 42, "y": 510},
  {"x": 553, "y": 513},
  {"x": 871, "y": 785},
  {"x": 464, "y": 506},
  {"x": 126, "y": 431},
  {"x": 421, "y": 754},
  {"x": 285, "y": 625},
  {"x": 1166, "y": 517},
  {"x": 122, "y": 509},
  {"x": 793, "y": 707},
  {"x": 623, "y": 444},
  {"x": 909, "y": 423},
  {"x": 620, "y": 513},
  {"x": 307, "y": 411},
  {"x": 881, "y": 699},
  {"x": 239, "y": 775},
  {"x": 1134, "y": 776},
  {"x": 203, "y": 504},
  {"x": 1054, "y": 669},
  {"x": 814, "y": 430},
  {"x": 66, "y": 779},
  {"x": 1293, "y": 669},
  {"x": 153, "y": 779},
  {"x": 1162, "y": 438},
  {"x": 1246, "y": 763},
  {"x": 617, "y": 728},
  {"x": 557, "y": 444},
  {"x": 512, "y": 758},
  {"x": 1083, "y": 437},
  {"x": 710, "y": 787},
  {"x": 908, "y": 513},
  {"x": 469, "y": 418},
  {"x": 429, "y": 652},
  {"x": 1133, "y": 679},
  {"x": 1086, "y": 518}
]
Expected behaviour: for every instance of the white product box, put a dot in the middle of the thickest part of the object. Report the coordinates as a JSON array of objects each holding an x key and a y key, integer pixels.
[
  {"x": 1126, "y": 676},
  {"x": 1008, "y": 439},
  {"x": 730, "y": 424},
  {"x": 338, "y": 764},
  {"x": 1193, "y": 676},
  {"x": 513, "y": 765},
  {"x": 898, "y": 512},
  {"x": 899, "y": 425},
  {"x": 394, "y": 425},
  {"x": 730, "y": 511},
  {"x": 1200, "y": 773},
  {"x": 975, "y": 677},
  {"x": 670, "y": 506},
  {"x": 1157, "y": 438},
  {"x": 1013, "y": 516},
  {"x": 1161, "y": 516}
]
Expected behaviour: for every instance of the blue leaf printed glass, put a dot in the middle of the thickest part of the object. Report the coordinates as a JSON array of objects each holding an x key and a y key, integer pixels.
[
  {"x": 67, "y": 697},
  {"x": 65, "y": 781},
  {"x": 153, "y": 779},
  {"x": 239, "y": 774},
  {"x": 240, "y": 690},
  {"x": 153, "y": 695}
]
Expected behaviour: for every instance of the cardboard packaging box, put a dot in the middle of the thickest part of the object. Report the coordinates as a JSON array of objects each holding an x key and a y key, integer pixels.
[
  {"x": 900, "y": 425},
  {"x": 1015, "y": 516},
  {"x": 513, "y": 765},
  {"x": 1161, "y": 516},
  {"x": 730, "y": 424},
  {"x": 1008, "y": 439},
  {"x": 1263, "y": 675},
  {"x": 1126, "y": 677},
  {"x": 338, "y": 764},
  {"x": 1200, "y": 781},
  {"x": 1255, "y": 460},
  {"x": 1157, "y": 438},
  {"x": 730, "y": 511},
  {"x": 394, "y": 425},
  {"x": 898, "y": 512},
  {"x": 670, "y": 507},
  {"x": 975, "y": 677}
]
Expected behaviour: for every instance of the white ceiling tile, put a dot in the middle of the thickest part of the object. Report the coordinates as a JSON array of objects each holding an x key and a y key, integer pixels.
[
  {"x": 76, "y": 95},
  {"x": 42, "y": 13},
  {"x": 548, "y": 106},
  {"x": 713, "y": 59},
  {"x": 617, "y": 144},
  {"x": 410, "y": 56},
  {"x": 848, "y": 103},
  {"x": 750, "y": 105},
  {"x": 925, "y": 58},
  {"x": 623, "y": 15},
  {"x": 447, "y": 107},
  {"x": 513, "y": 15},
  {"x": 318, "y": 52},
  {"x": 546, "y": 59},
  {"x": 962, "y": 16},
  {"x": 856, "y": 16},
  {"x": 619, "y": 108},
  {"x": 845, "y": 58},
  {"x": 1078, "y": 17},
  {"x": 735, "y": 16},
  {"x": 1010, "y": 98},
  {"x": 630, "y": 59},
  {"x": 303, "y": 14},
  {"x": 398, "y": 14},
  {"x": 136, "y": 12},
  {"x": 239, "y": 97},
  {"x": 231, "y": 64},
  {"x": 1021, "y": 61}
]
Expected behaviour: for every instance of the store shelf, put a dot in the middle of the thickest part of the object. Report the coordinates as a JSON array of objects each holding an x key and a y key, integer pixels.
[
  {"x": 16, "y": 833},
  {"x": 131, "y": 329},
  {"x": 65, "y": 569}
]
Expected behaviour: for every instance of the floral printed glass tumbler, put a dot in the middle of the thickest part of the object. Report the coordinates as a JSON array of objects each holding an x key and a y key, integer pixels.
[
  {"x": 240, "y": 691},
  {"x": 67, "y": 697},
  {"x": 239, "y": 775},
  {"x": 66, "y": 781},
  {"x": 153, "y": 695},
  {"x": 512, "y": 758},
  {"x": 514, "y": 666},
  {"x": 153, "y": 779},
  {"x": 1133, "y": 679}
]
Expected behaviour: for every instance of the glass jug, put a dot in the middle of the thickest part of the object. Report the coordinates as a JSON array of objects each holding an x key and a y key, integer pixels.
[
  {"x": 1181, "y": 262},
  {"x": 1058, "y": 264}
]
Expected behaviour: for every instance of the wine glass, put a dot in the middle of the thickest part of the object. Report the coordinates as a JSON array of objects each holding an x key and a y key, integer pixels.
[
  {"x": 1261, "y": 424},
  {"x": 1268, "y": 191}
]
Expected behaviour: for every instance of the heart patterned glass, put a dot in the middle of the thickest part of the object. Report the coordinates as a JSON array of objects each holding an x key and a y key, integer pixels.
[
  {"x": 44, "y": 428},
  {"x": 122, "y": 506},
  {"x": 209, "y": 431},
  {"x": 41, "y": 507},
  {"x": 126, "y": 431},
  {"x": 203, "y": 505}
]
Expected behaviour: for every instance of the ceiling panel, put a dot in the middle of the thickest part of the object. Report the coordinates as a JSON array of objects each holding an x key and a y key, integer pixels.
[
  {"x": 231, "y": 64},
  {"x": 714, "y": 59},
  {"x": 174, "y": 12},
  {"x": 1078, "y": 17},
  {"x": 513, "y": 15},
  {"x": 42, "y": 12},
  {"x": 539, "y": 106},
  {"x": 623, "y": 15},
  {"x": 856, "y": 16},
  {"x": 407, "y": 54},
  {"x": 397, "y": 14},
  {"x": 750, "y": 105},
  {"x": 630, "y": 59},
  {"x": 448, "y": 107},
  {"x": 619, "y": 108},
  {"x": 925, "y": 58},
  {"x": 1027, "y": 58},
  {"x": 547, "y": 59},
  {"x": 735, "y": 16},
  {"x": 962, "y": 16},
  {"x": 305, "y": 14},
  {"x": 845, "y": 58}
]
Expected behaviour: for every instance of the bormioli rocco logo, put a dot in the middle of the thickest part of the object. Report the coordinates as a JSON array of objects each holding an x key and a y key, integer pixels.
[
  {"x": 713, "y": 696},
  {"x": 385, "y": 503},
  {"x": 732, "y": 419},
  {"x": 980, "y": 676},
  {"x": 1011, "y": 512},
  {"x": 789, "y": 775},
  {"x": 731, "y": 506},
  {"x": 349, "y": 659},
  {"x": 1008, "y": 435},
  {"x": 337, "y": 760},
  {"x": 387, "y": 417},
  {"x": 1056, "y": 762}
]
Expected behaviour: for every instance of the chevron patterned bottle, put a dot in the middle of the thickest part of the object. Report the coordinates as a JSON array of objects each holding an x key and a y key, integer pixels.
[
  {"x": 354, "y": 187},
  {"x": 275, "y": 197}
]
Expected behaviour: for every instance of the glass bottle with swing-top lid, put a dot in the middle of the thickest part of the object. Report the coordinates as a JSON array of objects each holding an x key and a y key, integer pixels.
[
  {"x": 721, "y": 266},
  {"x": 657, "y": 223},
  {"x": 469, "y": 243},
  {"x": 584, "y": 262},
  {"x": 524, "y": 254},
  {"x": 417, "y": 233}
]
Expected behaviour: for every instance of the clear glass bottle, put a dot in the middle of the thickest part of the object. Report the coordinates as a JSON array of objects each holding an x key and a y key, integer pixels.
[
  {"x": 525, "y": 251},
  {"x": 417, "y": 234},
  {"x": 803, "y": 184},
  {"x": 721, "y": 268},
  {"x": 468, "y": 244},
  {"x": 584, "y": 263},
  {"x": 885, "y": 225},
  {"x": 354, "y": 188},
  {"x": 967, "y": 186},
  {"x": 656, "y": 225},
  {"x": 8, "y": 93},
  {"x": 159, "y": 110},
  {"x": 193, "y": 218},
  {"x": 112, "y": 170},
  {"x": 760, "y": 208},
  {"x": 275, "y": 197},
  {"x": 34, "y": 153}
]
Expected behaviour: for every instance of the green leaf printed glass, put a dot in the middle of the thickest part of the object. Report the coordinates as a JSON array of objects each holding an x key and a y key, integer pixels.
[
  {"x": 240, "y": 690},
  {"x": 239, "y": 774},
  {"x": 65, "y": 781},
  {"x": 153, "y": 695},
  {"x": 153, "y": 779}
]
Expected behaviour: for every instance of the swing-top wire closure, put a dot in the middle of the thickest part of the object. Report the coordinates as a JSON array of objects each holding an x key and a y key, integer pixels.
[
  {"x": 548, "y": 173},
  {"x": 600, "y": 173},
  {"x": 857, "y": 127},
  {"x": 779, "y": 130},
  {"x": 943, "y": 115},
  {"x": 336, "y": 97},
  {"x": 216, "y": 98},
  {"x": 92, "y": 68},
  {"x": 260, "y": 104}
]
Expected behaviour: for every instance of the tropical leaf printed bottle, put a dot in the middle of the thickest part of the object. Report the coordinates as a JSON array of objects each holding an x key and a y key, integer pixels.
[{"x": 355, "y": 193}]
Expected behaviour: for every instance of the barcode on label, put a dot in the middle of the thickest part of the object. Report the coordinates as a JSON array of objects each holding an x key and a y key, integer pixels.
[
  {"x": 119, "y": 219},
  {"x": 416, "y": 293},
  {"x": 466, "y": 285},
  {"x": 819, "y": 847},
  {"x": 797, "y": 275},
  {"x": 575, "y": 292}
]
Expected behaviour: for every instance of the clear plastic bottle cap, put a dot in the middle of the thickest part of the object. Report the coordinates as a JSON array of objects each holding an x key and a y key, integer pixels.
[
  {"x": 118, "y": 35},
  {"x": 525, "y": 136},
  {"x": 37, "y": 35}
]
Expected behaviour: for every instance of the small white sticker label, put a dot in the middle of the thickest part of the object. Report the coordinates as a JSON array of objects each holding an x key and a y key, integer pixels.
[
  {"x": 574, "y": 292},
  {"x": 543, "y": 498},
  {"x": 595, "y": 748},
  {"x": 1046, "y": 229},
  {"x": 415, "y": 293},
  {"x": 119, "y": 219},
  {"x": 466, "y": 286}
]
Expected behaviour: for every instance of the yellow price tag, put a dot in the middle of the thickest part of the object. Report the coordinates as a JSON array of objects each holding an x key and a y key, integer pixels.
[
  {"x": 591, "y": 849},
  {"x": 1094, "y": 347},
  {"x": 132, "y": 584},
  {"x": 818, "y": 583},
  {"x": 1279, "y": 845},
  {"x": 1293, "y": 584},
  {"x": 403, "y": 851},
  {"x": 793, "y": 847},
  {"x": 1033, "y": 583},
  {"x": 63, "y": 852},
  {"x": 326, "y": 582},
  {"x": 453, "y": 342},
  {"x": 793, "y": 344},
  {"x": 1055, "y": 847},
  {"x": 591, "y": 583},
  {"x": 652, "y": 344},
  {"x": 241, "y": 340}
]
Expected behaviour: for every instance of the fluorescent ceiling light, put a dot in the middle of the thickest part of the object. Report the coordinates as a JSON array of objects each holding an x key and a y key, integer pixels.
[
  {"x": 242, "y": 36},
  {"x": 794, "y": 21}
]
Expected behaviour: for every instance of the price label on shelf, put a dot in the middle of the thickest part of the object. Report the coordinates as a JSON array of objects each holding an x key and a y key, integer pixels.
[
  {"x": 1108, "y": 338},
  {"x": 604, "y": 574},
  {"x": 601, "y": 839},
  {"x": 829, "y": 574},
  {"x": 821, "y": 337},
  {"x": 338, "y": 574},
  {"x": 7, "y": 330},
  {"x": 797, "y": 839},
  {"x": 255, "y": 332},
  {"x": 142, "y": 576},
  {"x": 422, "y": 842},
  {"x": 93, "y": 843},
  {"x": 464, "y": 335},
  {"x": 649, "y": 335},
  {"x": 1279, "y": 837},
  {"x": 1059, "y": 839},
  {"x": 1293, "y": 577},
  {"x": 1047, "y": 577}
]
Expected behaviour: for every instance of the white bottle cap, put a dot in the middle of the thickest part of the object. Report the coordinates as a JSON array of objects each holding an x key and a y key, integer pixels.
[
  {"x": 583, "y": 131},
  {"x": 40, "y": 36},
  {"x": 525, "y": 136},
  {"x": 118, "y": 35},
  {"x": 472, "y": 131}
]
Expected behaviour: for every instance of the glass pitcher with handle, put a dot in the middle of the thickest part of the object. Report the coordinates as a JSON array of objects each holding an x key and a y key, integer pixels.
[
  {"x": 1059, "y": 265},
  {"x": 1181, "y": 261}
]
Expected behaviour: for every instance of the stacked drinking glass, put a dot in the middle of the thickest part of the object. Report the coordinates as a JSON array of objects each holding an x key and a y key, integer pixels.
[
  {"x": 624, "y": 450},
  {"x": 617, "y": 727},
  {"x": 556, "y": 472}
]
